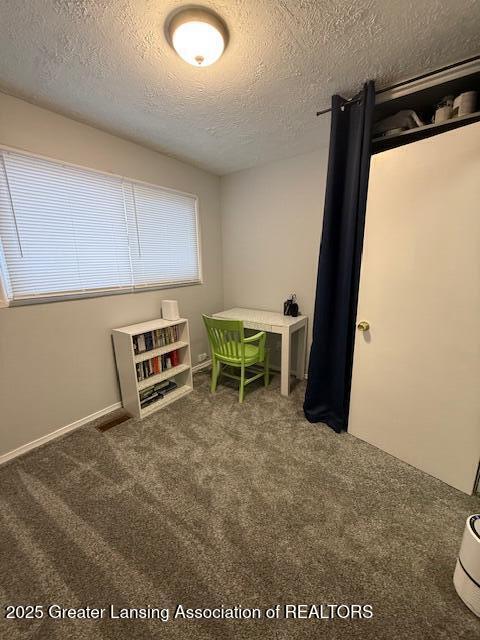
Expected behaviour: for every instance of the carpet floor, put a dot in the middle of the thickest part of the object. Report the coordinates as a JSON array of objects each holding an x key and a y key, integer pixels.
[{"x": 211, "y": 503}]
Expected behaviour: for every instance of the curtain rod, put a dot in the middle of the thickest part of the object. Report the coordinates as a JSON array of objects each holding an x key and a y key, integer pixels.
[{"x": 422, "y": 76}]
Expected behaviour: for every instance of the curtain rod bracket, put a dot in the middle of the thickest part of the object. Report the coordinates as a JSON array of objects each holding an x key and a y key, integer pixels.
[{"x": 347, "y": 103}]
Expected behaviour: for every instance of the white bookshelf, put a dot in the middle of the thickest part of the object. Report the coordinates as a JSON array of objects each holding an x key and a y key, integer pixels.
[{"x": 127, "y": 361}]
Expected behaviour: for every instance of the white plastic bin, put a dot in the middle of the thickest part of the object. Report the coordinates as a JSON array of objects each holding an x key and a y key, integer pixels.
[{"x": 466, "y": 577}]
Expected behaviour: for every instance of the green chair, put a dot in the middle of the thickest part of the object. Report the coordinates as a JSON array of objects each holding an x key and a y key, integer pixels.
[{"x": 230, "y": 347}]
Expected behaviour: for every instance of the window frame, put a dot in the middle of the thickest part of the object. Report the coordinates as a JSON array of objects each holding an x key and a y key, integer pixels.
[{"x": 5, "y": 287}]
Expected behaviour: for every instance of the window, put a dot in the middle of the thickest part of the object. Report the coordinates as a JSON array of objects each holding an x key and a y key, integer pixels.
[{"x": 68, "y": 231}]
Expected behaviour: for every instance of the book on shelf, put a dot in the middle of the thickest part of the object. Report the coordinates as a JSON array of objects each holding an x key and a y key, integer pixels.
[
  {"x": 157, "y": 364},
  {"x": 140, "y": 340},
  {"x": 154, "y": 339},
  {"x": 148, "y": 341},
  {"x": 156, "y": 392},
  {"x": 148, "y": 368}
]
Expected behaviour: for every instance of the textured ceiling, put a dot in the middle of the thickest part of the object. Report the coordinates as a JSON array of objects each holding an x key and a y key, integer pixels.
[{"x": 106, "y": 62}]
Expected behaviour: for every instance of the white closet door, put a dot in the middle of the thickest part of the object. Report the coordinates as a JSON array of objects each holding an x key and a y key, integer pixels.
[{"x": 416, "y": 374}]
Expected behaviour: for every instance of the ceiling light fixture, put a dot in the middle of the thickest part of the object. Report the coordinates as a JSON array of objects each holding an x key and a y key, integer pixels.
[{"x": 198, "y": 35}]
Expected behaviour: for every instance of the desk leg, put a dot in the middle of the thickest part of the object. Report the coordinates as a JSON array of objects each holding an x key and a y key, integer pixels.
[
  {"x": 301, "y": 351},
  {"x": 285, "y": 373}
]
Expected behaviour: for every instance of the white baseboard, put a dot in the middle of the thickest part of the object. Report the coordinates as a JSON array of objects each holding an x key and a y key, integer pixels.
[
  {"x": 201, "y": 365},
  {"x": 57, "y": 433}
]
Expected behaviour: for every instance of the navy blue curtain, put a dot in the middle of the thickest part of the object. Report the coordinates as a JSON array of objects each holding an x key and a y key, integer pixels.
[{"x": 327, "y": 396}]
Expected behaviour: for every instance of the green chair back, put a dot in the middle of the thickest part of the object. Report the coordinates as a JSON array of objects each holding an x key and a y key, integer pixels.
[{"x": 226, "y": 337}]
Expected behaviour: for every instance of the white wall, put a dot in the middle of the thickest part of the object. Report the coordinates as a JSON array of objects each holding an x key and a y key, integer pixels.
[
  {"x": 56, "y": 359},
  {"x": 272, "y": 222}
]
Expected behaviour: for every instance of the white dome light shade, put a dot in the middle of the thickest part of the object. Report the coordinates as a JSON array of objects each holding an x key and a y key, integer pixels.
[
  {"x": 198, "y": 36},
  {"x": 198, "y": 43}
]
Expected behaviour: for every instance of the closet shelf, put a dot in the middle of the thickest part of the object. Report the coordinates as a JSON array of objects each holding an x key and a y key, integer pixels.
[{"x": 383, "y": 143}]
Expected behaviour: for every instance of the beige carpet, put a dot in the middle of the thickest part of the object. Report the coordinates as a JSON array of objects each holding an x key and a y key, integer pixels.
[{"x": 212, "y": 503}]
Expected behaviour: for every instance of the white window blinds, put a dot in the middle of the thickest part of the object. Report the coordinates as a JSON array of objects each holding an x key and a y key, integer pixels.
[{"x": 69, "y": 231}]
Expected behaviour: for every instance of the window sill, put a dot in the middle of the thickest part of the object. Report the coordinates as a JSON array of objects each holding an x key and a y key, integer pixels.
[{"x": 95, "y": 294}]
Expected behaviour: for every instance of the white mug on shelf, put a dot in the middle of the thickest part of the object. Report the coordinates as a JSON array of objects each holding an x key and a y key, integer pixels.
[{"x": 170, "y": 310}]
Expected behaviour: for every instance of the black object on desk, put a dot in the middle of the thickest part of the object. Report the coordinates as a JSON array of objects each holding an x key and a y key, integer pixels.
[{"x": 290, "y": 306}]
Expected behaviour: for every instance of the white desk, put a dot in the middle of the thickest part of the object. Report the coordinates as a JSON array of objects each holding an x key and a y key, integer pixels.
[{"x": 286, "y": 326}]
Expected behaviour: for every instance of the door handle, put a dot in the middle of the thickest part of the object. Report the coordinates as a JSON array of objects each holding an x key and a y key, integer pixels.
[{"x": 363, "y": 326}]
